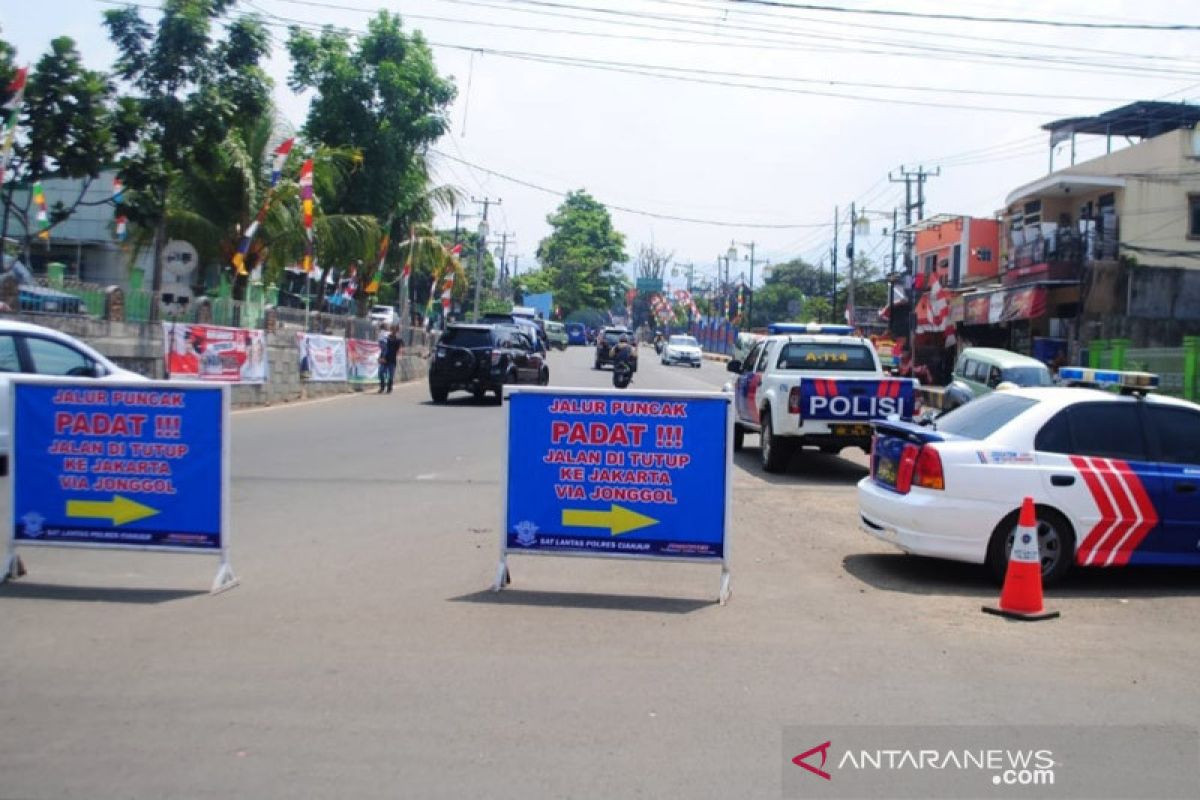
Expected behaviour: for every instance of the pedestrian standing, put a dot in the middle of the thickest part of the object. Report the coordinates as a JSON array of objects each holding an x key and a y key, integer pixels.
[{"x": 389, "y": 349}]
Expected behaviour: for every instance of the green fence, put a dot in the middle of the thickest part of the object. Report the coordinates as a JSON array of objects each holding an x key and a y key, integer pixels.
[{"x": 1175, "y": 366}]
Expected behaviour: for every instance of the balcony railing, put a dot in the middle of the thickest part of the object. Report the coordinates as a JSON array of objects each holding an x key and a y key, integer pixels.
[{"x": 1063, "y": 246}]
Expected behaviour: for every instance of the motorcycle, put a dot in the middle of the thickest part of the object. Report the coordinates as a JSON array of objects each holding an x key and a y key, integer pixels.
[
  {"x": 622, "y": 375},
  {"x": 658, "y": 346}
]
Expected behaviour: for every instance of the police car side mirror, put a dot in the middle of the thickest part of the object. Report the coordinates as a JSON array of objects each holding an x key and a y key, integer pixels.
[{"x": 733, "y": 366}]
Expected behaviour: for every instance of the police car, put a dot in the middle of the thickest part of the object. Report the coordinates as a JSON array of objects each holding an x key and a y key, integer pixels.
[
  {"x": 807, "y": 384},
  {"x": 1115, "y": 476}
]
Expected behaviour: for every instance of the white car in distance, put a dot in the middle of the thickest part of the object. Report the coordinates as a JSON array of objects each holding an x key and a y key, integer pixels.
[{"x": 681, "y": 349}]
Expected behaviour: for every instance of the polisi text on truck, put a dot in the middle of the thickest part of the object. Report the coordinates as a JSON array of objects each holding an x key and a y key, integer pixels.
[{"x": 856, "y": 406}]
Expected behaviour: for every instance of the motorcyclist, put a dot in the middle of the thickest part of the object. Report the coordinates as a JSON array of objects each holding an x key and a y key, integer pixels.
[
  {"x": 623, "y": 352},
  {"x": 622, "y": 357}
]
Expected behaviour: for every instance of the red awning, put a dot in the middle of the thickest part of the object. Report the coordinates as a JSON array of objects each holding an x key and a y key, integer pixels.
[{"x": 1006, "y": 305}]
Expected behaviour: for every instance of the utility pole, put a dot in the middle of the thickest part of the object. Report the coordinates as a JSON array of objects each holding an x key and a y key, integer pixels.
[
  {"x": 908, "y": 178},
  {"x": 503, "y": 277},
  {"x": 691, "y": 269},
  {"x": 483, "y": 233},
  {"x": 892, "y": 270},
  {"x": 850, "y": 307},
  {"x": 458, "y": 217},
  {"x": 833, "y": 256}
]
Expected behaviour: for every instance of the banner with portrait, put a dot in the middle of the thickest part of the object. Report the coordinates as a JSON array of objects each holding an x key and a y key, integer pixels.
[
  {"x": 363, "y": 357},
  {"x": 214, "y": 353},
  {"x": 322, "y": 358}
]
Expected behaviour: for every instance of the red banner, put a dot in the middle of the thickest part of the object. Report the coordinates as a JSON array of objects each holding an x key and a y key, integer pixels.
[{"x": 214, "y": 353}]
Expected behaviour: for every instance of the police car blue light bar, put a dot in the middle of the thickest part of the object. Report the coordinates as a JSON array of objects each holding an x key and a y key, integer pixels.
[
  {"x": 1108, "y": 377},
  {"x": 809, "y": 327}
]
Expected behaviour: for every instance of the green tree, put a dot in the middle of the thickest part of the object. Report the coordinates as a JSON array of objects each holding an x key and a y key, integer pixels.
[
  {"x": 383, "y": 97},
  {"x": 580, "y": 257},
  {"x": 785, "y": 294},
  {"x": 70, "y": 127},
  {"x": 190, "y": 87},
  {"x": 211, "y": 208}
]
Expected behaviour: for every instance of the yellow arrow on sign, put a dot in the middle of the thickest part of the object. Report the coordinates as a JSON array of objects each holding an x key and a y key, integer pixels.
[
  {"x": 120, "y": 510},
  {"x": 617, "y": 519}
]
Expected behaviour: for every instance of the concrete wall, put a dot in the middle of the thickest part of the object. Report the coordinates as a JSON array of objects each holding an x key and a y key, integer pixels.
[
  {"x": 139, "y": 347},
  {"x": 1150, "y": 306}
]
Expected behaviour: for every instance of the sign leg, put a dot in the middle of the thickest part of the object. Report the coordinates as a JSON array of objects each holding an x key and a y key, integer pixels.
[
  {"x": 225, "y": 578},
  {"x": 725, "y": 591},
  {"x": 13, "y": 567},
  {"x": 502, "y": 577}
]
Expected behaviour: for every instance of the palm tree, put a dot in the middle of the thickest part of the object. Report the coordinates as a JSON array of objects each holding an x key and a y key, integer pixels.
[{"x": 213, "y": 208}]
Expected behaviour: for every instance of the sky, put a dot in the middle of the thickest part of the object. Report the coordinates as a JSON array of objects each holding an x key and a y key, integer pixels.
[{"x": 711, "y": 122}]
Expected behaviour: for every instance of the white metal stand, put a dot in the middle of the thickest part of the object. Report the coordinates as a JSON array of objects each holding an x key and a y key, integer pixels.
[
  {"x": 502, "y": 577},
  {"x": 225, "y": 578},
  {"x": 723, "y": 597}
]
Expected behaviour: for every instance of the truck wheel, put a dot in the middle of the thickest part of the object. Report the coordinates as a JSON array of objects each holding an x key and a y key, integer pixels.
[
  {"x": 596, "y": 365},
  {"x": 773, "y": 451},
  {"x": 438, "y": 393},
  {"x": 1056, "y": 545},
  {"x": 544, "y": 377},
  {"x": 739, "y": 437}
]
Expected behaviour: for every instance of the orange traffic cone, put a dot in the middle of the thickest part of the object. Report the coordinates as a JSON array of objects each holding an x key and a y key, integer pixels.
[{"x": 1021, "y": 597}]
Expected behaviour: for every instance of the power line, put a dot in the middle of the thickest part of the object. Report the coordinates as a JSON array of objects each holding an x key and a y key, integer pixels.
[
  {"x": 627, "y": 210},
  {"x": 1048, "y": 23},
  {"x": 907, "y": 49}
]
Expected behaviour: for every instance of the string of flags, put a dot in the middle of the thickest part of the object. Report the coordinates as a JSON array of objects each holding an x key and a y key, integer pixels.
[
  {"x": 16, "y": 88},
  {"x": 306, "y": 201},
  {"x": 280, "y": 156},
  {"x": 43, "y": 211}
]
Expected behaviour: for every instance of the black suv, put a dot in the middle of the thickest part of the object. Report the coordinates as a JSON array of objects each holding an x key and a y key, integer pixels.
[
  {"x": 481, "y": 359},
  {"x": 607, "y": 339}
]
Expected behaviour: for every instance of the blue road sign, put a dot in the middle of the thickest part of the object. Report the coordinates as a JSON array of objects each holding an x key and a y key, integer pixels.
[
  {"x": 129, "y": 465},
  {"x": 617, "y": 474}
]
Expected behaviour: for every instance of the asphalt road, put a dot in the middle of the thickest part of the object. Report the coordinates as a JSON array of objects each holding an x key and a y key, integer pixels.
[{"x": 363, "y": 655}]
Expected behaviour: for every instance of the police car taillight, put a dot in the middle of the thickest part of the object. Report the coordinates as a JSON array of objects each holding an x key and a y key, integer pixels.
[
  {"x": 794, "y": 400},
  {"x": 929, "y": 473},
  {"x": 908, "y": 464}
]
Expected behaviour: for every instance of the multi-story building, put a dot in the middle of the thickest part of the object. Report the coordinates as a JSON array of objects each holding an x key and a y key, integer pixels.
[{"x": 1108, "y": 247}]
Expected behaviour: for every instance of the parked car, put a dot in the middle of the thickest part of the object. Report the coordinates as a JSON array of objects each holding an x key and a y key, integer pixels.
[
  {"x": 35, "y": 350},
  {"x": 607, "y": 339},
  {"x": 982, "y": 369},
  {"x": 556, "y": 335},
  {"x": 384, "y": 315},
  {"x": 577, "y": 333},
  {"x": 682, "y": 349},
  {"x": 484, "y": 358},
  {"x": 1115, "y": 478}
]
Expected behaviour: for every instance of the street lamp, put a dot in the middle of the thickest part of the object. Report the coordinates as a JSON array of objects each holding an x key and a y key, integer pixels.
[
  {"x": 860, "y": 225},
  {"x": 751, "y": 259}
]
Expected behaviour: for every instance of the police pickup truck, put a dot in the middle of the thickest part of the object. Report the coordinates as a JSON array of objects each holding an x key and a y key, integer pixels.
[{"x": 809, "y": 384}]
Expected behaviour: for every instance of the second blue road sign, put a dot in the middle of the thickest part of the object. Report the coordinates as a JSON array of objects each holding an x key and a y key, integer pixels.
[{"x": 618, "y": 474}]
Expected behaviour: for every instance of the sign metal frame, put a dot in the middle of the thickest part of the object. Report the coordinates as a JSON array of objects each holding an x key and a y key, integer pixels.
[
  {"x": 503, "y": 574},
  {"x": 11, "y": 567}
]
